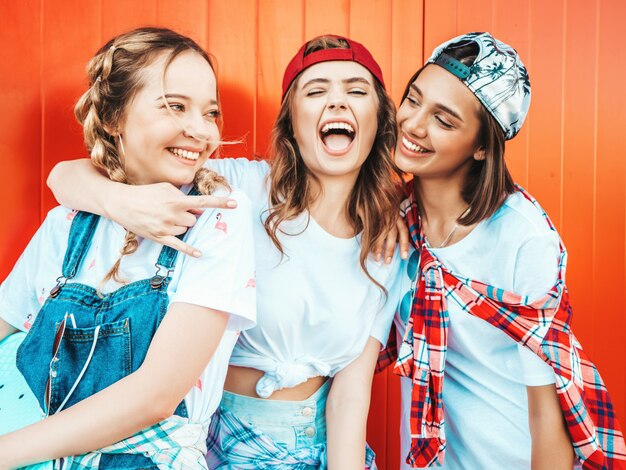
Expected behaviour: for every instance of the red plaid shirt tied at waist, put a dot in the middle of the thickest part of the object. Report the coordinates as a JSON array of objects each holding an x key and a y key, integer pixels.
[{"x": 543, "y": 326}]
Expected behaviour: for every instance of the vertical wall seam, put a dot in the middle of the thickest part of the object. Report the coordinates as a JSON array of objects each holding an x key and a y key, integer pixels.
[
  {"x": 304, "y": 32},
  {"x": 530, "y": 58},
  {"x": 562, "y": 130},
  {"x": 41, "y": 110},
  {"x": 594, "y": 212},
  {"x": 255, "y": 103}
]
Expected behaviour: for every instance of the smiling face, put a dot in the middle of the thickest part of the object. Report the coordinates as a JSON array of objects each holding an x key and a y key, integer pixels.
[
  {"x": 439, "y": 125},
  {"x": 335, "y": 115},
  {"x": 170, "y": 145}
]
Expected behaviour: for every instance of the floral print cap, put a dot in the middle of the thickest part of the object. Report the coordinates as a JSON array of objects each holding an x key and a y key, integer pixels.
[{"x": 498, "y": 78}]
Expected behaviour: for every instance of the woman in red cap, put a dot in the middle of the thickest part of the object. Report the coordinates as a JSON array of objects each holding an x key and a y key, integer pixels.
[
  {"x": 298, "y": 388},
  {"x": 493, "y": 376}
]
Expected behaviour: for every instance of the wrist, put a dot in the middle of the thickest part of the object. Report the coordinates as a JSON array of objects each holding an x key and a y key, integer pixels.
[{"x": 112, "y": 199}]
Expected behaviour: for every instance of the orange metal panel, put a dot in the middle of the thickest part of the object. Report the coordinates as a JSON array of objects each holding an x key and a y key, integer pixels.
[
  {"x": 188, "y": 17},
  {"x": 66, "y": 51},
  {"x": 120, "y": 15},
  {"x": 474, "y": 15},
  {"x": 579, "y": 121},
  {"x": 281, "y": 33},
  {"x": 407, "y": 48},
  {"x": 326, "y": 17},
  {"x": 235, "y": 48},
  {"x": 370, "y": 24},
  {"x": 440, "y": 23},
  {"x": 545, "y": 124},
  {"x": 511, "y": 24},
  {"x": 608, "y": 276},
  {"x": 20, "y": 128}
]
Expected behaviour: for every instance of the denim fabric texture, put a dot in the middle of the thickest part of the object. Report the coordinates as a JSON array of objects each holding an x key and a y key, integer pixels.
[
  {"x": 290, "y": 424},
  {"x": 124, "y": 322}
]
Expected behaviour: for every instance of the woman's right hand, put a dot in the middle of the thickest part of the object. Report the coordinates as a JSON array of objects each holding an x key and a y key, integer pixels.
[{"x": 160, "y": 212}]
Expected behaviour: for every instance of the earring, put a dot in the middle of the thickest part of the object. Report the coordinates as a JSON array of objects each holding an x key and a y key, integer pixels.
[{"x": 122, "y": 147}]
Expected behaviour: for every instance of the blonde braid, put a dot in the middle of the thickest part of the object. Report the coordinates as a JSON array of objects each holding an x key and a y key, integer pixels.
[
  {"x": 115, "y": 76},
  {"x": 207, "y": 181}
]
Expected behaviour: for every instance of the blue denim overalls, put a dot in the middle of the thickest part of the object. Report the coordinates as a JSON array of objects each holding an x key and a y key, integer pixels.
[{"x": 80, "y": 342}]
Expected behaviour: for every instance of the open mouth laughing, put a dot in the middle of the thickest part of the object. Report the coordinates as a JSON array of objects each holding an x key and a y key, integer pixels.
[{"x": 337, "y": 136}]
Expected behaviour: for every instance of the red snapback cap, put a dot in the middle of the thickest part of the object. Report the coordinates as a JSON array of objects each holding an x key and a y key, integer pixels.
[{"x": 356, "y": 53}]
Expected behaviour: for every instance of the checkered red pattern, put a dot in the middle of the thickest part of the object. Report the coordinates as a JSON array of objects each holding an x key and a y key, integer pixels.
[{"x": 543, "y": 326}]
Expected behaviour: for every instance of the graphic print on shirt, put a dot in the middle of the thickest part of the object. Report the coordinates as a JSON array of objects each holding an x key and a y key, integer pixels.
[{"x": 219, "y": 225}]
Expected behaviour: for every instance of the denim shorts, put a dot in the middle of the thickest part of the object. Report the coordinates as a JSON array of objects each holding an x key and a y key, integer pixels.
[{"x": 291, "y": 424}]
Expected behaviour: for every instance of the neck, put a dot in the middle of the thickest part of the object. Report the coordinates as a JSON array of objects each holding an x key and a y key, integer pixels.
[
  {"x": 330, "y": 207},
  {"x": 440, "y": 199}
]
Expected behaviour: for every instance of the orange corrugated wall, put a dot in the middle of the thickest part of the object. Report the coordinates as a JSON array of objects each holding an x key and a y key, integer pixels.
[{"x": 571, "y": 153}]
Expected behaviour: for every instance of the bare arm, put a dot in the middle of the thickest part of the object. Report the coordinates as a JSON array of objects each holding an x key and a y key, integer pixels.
[
  {"x": 347, "y": 409},
  {"x": 6, "y": 329},
  {"x": 158, "y": 212},
  {"x": 179, "y": 352},
  {"x": 551, "y": 444}
]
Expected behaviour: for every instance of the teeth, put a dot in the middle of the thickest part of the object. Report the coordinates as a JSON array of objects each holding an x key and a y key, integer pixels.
[
  {"x": 185, "y": 153},
  {"x": 337, "y": 125},
  {"x": 413, "y": 147}
]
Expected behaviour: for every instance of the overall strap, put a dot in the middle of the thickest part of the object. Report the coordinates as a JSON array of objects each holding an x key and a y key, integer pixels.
[
  {"x": 168, "y": 255},
  {"x": 81, "y": 233}
]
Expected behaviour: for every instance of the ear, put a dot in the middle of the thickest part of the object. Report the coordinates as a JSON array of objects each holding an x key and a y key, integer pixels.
[{"x": 479, "y": 154}]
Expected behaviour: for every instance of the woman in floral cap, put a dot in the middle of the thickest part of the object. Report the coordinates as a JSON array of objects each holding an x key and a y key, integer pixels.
[{"x": 485, "y": 319}]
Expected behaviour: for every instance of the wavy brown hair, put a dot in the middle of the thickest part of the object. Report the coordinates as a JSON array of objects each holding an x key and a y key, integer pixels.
[
  {"x": 115, "y": 76},
  {"x": 373, "y": 203}
]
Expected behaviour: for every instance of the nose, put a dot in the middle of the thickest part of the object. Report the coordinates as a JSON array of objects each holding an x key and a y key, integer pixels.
[
  {"x": 199, "y": 128},
  {"x": 337, "y": 100},
  {"x": 416, "y": 123}
]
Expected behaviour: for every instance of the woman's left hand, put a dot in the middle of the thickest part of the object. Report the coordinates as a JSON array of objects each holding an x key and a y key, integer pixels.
[{"x": 385, "y": 247}]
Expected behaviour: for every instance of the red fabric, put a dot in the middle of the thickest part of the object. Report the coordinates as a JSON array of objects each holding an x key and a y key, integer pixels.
[
  {"x": 543, "y": 326},
  {"x": 357, "y": 53}
]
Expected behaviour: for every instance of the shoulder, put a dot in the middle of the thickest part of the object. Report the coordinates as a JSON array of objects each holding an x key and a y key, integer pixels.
[
  {"x": 216, "y": 223},
  {"x": 238, "y": 166},
  {"x": 519, "y": 219},
  {"x": 58, "y": 222}
]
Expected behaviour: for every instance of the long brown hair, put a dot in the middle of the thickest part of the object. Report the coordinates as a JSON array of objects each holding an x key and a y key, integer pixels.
[
  {"x": 115, "y": 77},
  {"x": 373, "y": 203},
  {"x": 488, "y": 182}
]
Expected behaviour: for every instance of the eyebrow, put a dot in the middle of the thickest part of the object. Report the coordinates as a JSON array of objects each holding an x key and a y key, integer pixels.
[
  {"x": 179, "y": 96},
  {"x": 345, "y": 81},
  {"x": 444, "y": 108}
]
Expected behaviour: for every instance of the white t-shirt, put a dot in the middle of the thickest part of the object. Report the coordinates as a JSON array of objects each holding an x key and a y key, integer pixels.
[
  {"x": 316, "y": 307},
  {"x": 223, "y": 279},
  {"x": 486, "y": 372}
]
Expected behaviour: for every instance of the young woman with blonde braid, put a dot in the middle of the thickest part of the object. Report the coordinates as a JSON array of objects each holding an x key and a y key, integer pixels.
[
  {"x": 127, "y": 356},
  {"x": 298, "y": 388}
]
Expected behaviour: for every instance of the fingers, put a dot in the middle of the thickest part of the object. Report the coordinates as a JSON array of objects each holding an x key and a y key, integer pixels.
[
  {"x": 377, "y": 249},
  {"x": 403, "y": 238},
  {"x": 203, "y": 202},
  {"x": 390, "y": 244},
  {"x": 180, "y": 246}
]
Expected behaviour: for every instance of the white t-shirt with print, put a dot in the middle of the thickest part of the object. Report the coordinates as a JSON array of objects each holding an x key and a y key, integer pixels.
[
  {"x": 486, "y": 372},
  {"x": 222, "y": 279},
  {"x": 316, "y": 307}
]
